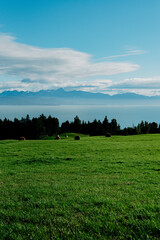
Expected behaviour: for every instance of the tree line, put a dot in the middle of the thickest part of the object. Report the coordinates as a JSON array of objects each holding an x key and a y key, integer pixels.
[{"x": 38, "y": 127}]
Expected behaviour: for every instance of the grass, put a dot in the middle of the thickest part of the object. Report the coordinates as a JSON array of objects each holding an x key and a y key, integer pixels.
[{"x": 95, "y": 188}]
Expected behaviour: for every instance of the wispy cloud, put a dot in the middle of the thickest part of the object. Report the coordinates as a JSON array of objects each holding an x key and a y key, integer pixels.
[
  {"x": 126, "y": 54},
  {"x": 46, "y": 68}
]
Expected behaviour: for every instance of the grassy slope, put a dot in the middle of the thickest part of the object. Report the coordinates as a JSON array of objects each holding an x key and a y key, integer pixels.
[{"x": 95, "y": 188}]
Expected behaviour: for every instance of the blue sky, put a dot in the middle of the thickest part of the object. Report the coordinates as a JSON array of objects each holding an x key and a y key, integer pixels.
[{"x": 109, "y": 46}]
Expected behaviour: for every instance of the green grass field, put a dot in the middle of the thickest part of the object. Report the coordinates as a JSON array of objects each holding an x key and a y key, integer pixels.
[{"x": 95, "y": 188}]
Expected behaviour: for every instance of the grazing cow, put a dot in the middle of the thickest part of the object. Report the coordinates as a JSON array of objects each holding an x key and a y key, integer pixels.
[
  {"x": 57, "y": 137},
  {"x": 77, "y": 138},
  {"x": 108, "y": 135},
  {"x": 22, "y": 139}
]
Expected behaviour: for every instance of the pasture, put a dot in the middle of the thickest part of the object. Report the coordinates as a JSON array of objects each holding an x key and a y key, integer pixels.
[{"x": 95, "y": 188}]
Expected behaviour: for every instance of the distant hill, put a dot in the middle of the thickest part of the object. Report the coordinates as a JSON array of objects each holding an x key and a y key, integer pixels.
[{"x": 62, "y": 97}]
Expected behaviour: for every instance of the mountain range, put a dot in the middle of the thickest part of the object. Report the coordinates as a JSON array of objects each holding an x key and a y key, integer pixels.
[{"x": 62, "y": 97}]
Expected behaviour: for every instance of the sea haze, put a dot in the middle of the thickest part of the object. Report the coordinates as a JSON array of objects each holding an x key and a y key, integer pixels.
[
  {"x": 129, "y": 109},
  {"x": 126, "y": 115}
]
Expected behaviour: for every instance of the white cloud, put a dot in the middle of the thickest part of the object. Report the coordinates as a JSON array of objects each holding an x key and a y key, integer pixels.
[
  {"x": 97, "y": 85},
  {"x": 144, "y": 86},
  {"x": 37, "y": 68},
  {"x": 142, "y": 83},
  {"x": 46, "y": 68}
]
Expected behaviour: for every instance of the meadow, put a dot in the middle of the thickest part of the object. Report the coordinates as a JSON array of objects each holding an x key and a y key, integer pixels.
[{"x": 95, "y": 188}]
